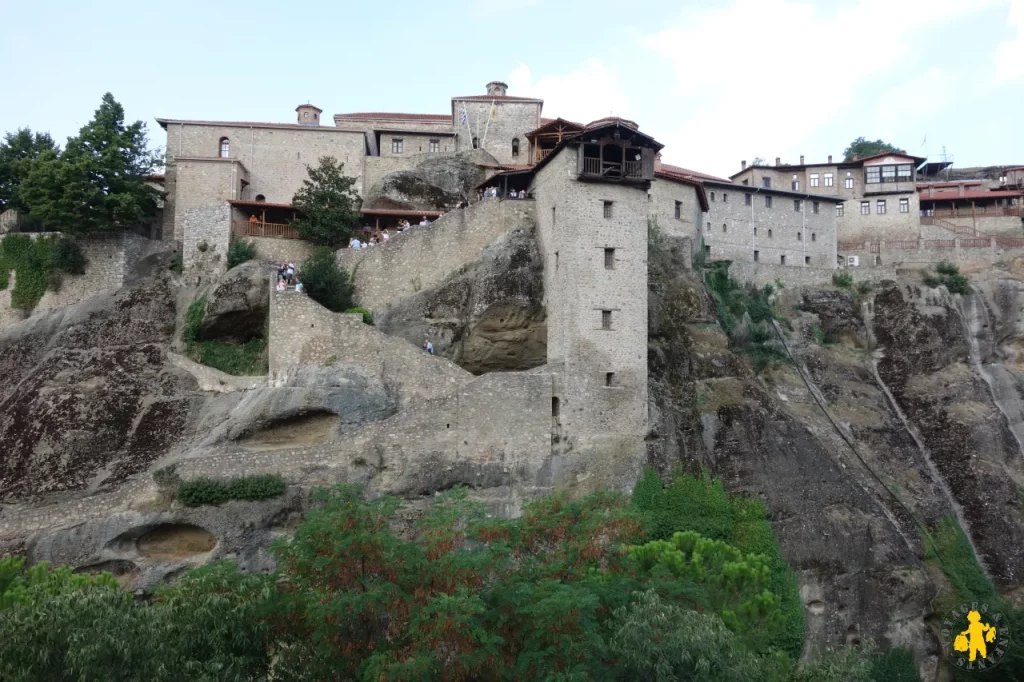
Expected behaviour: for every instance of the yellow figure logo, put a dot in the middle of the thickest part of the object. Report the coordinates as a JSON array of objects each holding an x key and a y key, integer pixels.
[{"x": 974, "y": 637}]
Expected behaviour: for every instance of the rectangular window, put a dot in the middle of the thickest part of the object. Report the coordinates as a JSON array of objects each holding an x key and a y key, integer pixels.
[
  {"x": 707, "y": 249},
  {"x": 796, "y": 204},
  {"x": 435, "y": 145},
  {"x": 839, "y": 210},
  {"x": 807, "y": 260},
  {"x": 552, "y": 215},
  {"x": 608, "y": 209},
  {"x": 904, "y": 172},
  {"x": 865, "y": 208},
  {"x": 769, "y": 233},
  {"x": 725, "y": 197},
  {"x": 757, "y": 256},
  {"x": 725, "y": 228},
  {"x": 888, "y": 173},
  {"x": 746, "y": 199},
  {"x": 782, "y": 260},
  {"x": 799, "y": 236},
  {"x": 679, "y": 209},
  {"x": 828, "y": 179},
  {"x": 768, "y": 202},
  {"x": 609, "y": 379},
  {"x": 814, "y": 179},
  {"x": 795, "y": 185},
  {"x": 849, "y": 181},
  {"x": 609, "y": 259},
  {"x": 814, "y": 237},
  {"x": 766, "y": 183},
  {"x": 755, "y": 231},
  {"x": 872, "y": 175},
  {"x": 396, "y": 145},
  {"x": 606, "y": 319},
  {"x": 709, "y": 227},
  {"x": 881, "y": 207},
  {"x": 815, "y": 206},
  {"x": 904, "y": 205}
]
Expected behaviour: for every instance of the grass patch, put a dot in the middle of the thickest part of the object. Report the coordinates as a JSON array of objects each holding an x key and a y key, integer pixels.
[
  {"x": 359, "y": 310},
  {"x": 701, "y": 504},
  {"x": 240, "y": 359},
  {"x": 211, "y": 492},
  {"x": 842, "y": 280}
]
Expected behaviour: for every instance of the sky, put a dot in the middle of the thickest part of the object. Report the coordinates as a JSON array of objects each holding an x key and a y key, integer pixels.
[{"x": 715, "y": 81}]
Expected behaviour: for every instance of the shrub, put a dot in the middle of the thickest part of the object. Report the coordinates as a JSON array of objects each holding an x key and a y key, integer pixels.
[
  {"x": 745, "y": 313},
  {"x": 895, "y": 665},
  {"x": 239, "y": 359},
  {"x": 325, "y": 281},
  {"x": 211, "y": 492},
  {"x": 194, "y": 319},
  {"x": 240, "y": 252},
  {"x": 367, "y": 315},
  {"x": 167, "y": 477},
  {"x": 67, "y": 257},
  {"x": 950, "y": 277},
  {"x": 177, "y": 263},
  {"x": 843, "y": 280}
]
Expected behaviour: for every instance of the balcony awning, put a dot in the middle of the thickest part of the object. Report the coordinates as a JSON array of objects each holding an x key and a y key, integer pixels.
[{"x": 258, "y": 204}]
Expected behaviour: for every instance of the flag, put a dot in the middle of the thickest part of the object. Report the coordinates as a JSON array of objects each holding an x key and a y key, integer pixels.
[
  {"x": 494, "y": 111},
  {"x": 465, "y": 120}
]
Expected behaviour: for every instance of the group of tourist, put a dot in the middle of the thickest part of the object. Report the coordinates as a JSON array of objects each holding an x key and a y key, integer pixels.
[
  {"x": 493, "y": 192},
  {"x": 286, "y": 277},
  {"x": 385, "y": 235}
]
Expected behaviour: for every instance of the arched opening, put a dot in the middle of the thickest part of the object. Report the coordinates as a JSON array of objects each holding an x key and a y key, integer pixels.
[
  {"x": 225, "y": 148},
  {"x": 515, "y": 146},
  {"x": 712, "y": 196},
  {"x": 476, "y": 143},
  {"x": 260, "y": 197}
]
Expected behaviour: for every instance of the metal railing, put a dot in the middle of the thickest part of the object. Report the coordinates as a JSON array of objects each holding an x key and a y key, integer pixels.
[
  {"x": 939, "y": 243},
  {"x": 1009, "y": 241},
  {"x": 257, "y": 229},
  {"x": 975, "y": 243}
]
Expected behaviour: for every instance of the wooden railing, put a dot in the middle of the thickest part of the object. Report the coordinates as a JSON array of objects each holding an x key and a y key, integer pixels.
[
  {"x": 900, "y": 244},
  {"x": 612, "y": 169},
  {"x": 633, "y": 169},
  {"x": 851, "y": 246},
  {"x": 278, "y": 230},
  {"x": 591, "y": 166},
  {"x": 967, "y": 212},
  {"x": 1009, "y": 241},
  {"x": 939, "y": 243},
  {"x": 975, "y": 243}
]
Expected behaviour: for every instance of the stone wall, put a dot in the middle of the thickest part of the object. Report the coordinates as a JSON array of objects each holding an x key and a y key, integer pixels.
[
  {"x": 768, "y": 273},
  {"x": 893, "y": 224},
  {"x": 775, "y": 235},
  {"x": 997, "y": 226},
  {"x": 207, "y": 234},
  {"x": 281, "y": 250},
  {"x": 199, "y": 183},
  {"x": 663, "y": 197},
  {"x": 424, "y": 256},
  {"x": 110, "y": 260},
  {"x": 413, "y": 143},
  {"x": 967, "y": 253},
  {"x": 512, "y": 121},
  {"x": 303, "y": 332},
  {"x": 376, "y": 167},
  {"x": 275, "y": 158}
]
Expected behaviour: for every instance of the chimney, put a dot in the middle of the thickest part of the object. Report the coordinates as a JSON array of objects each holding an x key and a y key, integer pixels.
[
  {"x": 657, "y": 162},
  {"x": 801, "y": 159},
  {"x": 743, "y": 164},
  {"x": 855, "y": 156},
  {"x": 778, "y": 161},
  {"x": 496, "y": 89},
  {"x": 830, "y": 158}
]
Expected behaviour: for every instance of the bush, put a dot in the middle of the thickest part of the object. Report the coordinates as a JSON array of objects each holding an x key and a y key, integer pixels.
[
  {"x": 745, "y": 313},
  {"x": 240, "y": 359},
  {"x": 194, "y": 319},
  {"x": 177, "y": 263},
  {"x": 67, "y": 257},
  {"x": 843, "y": 280},
  {"x": 325, "y": 281},
  {"x": 895, "y": 665},
  {"x": 167, "y": 477},
  {"x": 240, "y": 252},
  {"x": 950, "y": 277},
  {"x": 367, "y": 315},
  {"x": 210, "y": 492}
]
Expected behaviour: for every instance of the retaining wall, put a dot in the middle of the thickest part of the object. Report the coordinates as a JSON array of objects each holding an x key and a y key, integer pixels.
[{"x": 281, "y": 250}]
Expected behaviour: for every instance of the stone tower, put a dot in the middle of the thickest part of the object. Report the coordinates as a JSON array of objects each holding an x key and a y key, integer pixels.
[
  {"x": 308, "y": 115},
  {"x": 591, "y": 194}
]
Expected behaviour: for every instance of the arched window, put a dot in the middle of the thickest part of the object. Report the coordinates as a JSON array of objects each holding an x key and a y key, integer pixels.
[
  {"x": 476, "y": 143},
  {"x": 260, "y": 197},
  {"x": 225, "y": 148},
  {"x": 515, "y": 146},
  {"x": 712, "y": 196}
]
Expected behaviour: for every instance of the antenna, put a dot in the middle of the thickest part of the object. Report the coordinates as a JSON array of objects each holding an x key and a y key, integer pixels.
[{"x": 946, "y": 158}]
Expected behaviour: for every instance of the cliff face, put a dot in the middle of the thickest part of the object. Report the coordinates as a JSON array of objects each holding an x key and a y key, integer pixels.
[
  {"x": 907, "y": 414},
  {"x": 901, "y": 406}
]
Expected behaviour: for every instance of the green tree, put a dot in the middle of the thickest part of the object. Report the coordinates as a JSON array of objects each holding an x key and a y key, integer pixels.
[
  {"x": 325, "y": 281},
  {"x": 97, "y": 182},
  {"x": 328, "y": 205},
  {"x": 18, "y": 151},
  {"x": 863, "y": 148}
]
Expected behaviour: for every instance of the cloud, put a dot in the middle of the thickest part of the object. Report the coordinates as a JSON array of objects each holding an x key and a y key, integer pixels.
[
  {"x": 590, "y": 91},
  {"x": 1009, "y": 56},
  {"x": 774, "y": 72}
]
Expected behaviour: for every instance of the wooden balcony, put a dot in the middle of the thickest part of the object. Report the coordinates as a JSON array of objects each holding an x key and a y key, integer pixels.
[
  {"x": 258, "y": 229},
  {"x": 632, "y": 170}
]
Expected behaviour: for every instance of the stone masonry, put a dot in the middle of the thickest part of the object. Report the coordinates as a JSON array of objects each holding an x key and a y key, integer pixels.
[{"x": 207, "y": 233}]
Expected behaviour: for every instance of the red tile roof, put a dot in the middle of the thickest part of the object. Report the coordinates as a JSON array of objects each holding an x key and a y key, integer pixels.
[
  {"x": 954, "y": 183},
  {"x": 391, "y": 116},
  {"x": 669, "y": 168},
  {"x": 501, "y": 98},
  {"x": 309, "y": 106},
  {"x": 550, "y": 122},
  {"x": 702, "y": 196}
]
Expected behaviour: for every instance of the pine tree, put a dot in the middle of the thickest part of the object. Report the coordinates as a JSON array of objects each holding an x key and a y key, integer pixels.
[
  {"x": 98, "y": 181},
  {"x": 18, "y": 152},
  {"x": 328, "y": 204}
]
